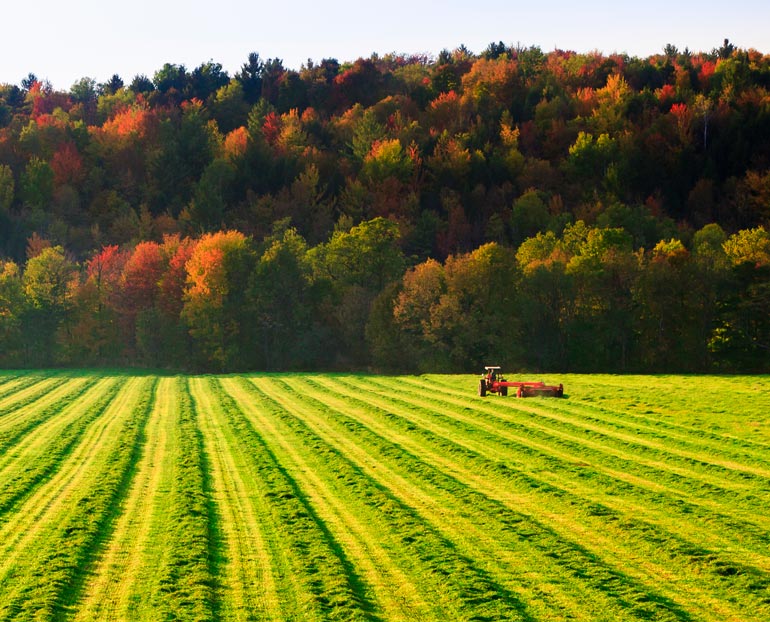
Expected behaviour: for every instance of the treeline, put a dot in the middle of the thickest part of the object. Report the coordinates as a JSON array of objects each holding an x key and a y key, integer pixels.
[
  {"x": 402, "y": 212},
  {"x": 587, "y": 299}
]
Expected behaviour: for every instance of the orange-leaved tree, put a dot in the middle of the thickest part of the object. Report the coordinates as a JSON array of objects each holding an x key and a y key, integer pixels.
[{"x": 215, "y": 299}]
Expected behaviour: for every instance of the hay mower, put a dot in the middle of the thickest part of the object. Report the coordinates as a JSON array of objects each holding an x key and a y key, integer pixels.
[{"x": 493, "y": 382}]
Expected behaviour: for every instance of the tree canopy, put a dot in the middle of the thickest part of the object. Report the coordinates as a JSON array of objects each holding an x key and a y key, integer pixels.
[{"x": 593, "y": 211}]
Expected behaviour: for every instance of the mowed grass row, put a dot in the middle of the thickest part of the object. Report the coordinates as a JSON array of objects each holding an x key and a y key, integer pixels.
[{"x": 352, "y": 497}]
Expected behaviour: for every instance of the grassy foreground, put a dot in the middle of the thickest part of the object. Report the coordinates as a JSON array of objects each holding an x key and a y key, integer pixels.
[{"x": 352, "y": 497}]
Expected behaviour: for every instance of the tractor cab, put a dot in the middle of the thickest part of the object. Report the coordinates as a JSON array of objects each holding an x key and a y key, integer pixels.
[{"x": 493, "y": 373}]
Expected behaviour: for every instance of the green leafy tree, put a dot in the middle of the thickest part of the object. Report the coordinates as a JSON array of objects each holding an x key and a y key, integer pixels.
[
  {"x": 49, "y": 284},
  {"x": 171, "y": 78},
  {"x": 741, "y": 338},
  {"x": 471, "y": 322},
  {"x": 229, "y": 106},
  {"x": 357, "y": 264},
  {"x": 7, "y": 189},
  {"x": 250, "y": 78},
  {"x": 529, "y": 216},
  {"x": 206, "y": 211},
  {"x": 366, "y": 132},
  {"x": 544, "y": 306},
  {"x": 37, "y": 183},
  {"x": 675, "y": 311},
  {"x": 112, "y": 86},
  {"x": 600, "y": 329},
  {"x": 368, "y": 255},
  {"x": 281, "y": 294},
  {"x": 141, "y": 84},
  {"x": 12, "y": 309},
  {"x": 206, "y": 79}
]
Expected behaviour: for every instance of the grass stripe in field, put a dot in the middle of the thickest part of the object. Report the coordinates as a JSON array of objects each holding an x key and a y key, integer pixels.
[
  {"x": 27, "y": 389},
  {"x": 124, "y": 579},
  {"x": 30, "y": 404},
  {"x": 324, "y": 583},
  {"x": 43, "y": 565},
  {"x": 253, "y": 582},
  {"x": 43, "y": 412},
  {"x": 13, "y": 384},
  {"x": 37, "y": 456},
  {"x": 394, "y": 593},
  {"x": 391, "y": 414},
  {"x": 186, "y": 575}
]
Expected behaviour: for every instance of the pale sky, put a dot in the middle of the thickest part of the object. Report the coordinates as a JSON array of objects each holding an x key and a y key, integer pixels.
[{"x": 63, "y": 41}]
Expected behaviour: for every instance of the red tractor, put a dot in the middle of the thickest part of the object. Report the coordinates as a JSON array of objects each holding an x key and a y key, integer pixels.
[{"x": 493, "y": 382}]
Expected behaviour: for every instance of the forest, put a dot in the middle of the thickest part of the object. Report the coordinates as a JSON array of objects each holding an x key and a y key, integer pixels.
[{"x": 550, "y": 211}]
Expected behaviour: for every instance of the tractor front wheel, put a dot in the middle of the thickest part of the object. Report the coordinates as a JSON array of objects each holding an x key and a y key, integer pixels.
[
  {"x": 504, "y": 391},
  {"x": 482, "y": 388}
]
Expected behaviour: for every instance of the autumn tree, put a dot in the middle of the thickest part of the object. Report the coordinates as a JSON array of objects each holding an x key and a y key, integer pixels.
[
  {"x": 98, "y": 335},
  {"x": 155, "y": 279},
  {"x": 421, "y": 290},
  {"x": 215, "y": 301}
]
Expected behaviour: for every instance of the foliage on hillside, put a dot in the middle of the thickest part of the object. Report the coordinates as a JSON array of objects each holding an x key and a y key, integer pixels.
[{"x": 578, "y": 211}]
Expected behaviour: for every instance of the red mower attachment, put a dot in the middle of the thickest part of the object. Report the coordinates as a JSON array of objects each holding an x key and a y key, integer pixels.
[{"x": 493, "y": 382}]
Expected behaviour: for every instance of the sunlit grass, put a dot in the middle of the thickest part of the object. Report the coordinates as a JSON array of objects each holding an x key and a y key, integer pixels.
[{"x": 360, "y": 497}]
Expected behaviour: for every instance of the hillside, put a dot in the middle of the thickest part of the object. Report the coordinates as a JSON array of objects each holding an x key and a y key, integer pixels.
[{"x": 603, "y": 185}]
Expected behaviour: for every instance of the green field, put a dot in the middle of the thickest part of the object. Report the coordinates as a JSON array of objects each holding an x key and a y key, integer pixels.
[{"x": 352, "y": 497}]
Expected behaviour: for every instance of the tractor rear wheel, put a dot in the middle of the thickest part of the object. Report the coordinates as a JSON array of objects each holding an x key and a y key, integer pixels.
[{"x": 482, "y": 388}]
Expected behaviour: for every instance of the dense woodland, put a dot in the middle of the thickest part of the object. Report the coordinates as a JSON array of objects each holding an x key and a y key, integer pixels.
[{"x": 553, "y": 211}]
